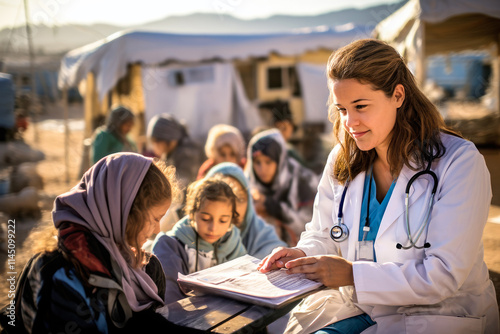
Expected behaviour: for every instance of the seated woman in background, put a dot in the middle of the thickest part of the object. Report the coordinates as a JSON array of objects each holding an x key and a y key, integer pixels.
[
  {"x": 112, "y": 137},
  {"x": 282, "y": 190},
  {"x": 98, "y": 280},
  {"x": 204, "y": 238},
  {"x": 225, "y": 143},
  {"x": 172, "y": 144},
  {"x": 259, "y": 238}
]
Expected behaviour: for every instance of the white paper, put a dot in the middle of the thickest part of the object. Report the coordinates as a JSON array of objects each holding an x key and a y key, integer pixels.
[{"x": 241, "y": 276}]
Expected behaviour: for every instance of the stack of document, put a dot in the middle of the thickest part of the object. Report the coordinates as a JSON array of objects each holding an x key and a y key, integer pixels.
[{"x": 239, "y": 279}]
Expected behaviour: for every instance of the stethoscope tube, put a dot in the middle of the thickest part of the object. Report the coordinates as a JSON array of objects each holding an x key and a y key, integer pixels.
[
  {"x": 339, "y": 232},
  {"x": 413, "y": 243}
]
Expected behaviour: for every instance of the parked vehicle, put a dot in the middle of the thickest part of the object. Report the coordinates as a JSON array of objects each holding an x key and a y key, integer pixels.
[{"x": 7, "y": 102}]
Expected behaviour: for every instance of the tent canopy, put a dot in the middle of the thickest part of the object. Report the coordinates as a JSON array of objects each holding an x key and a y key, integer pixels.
[
  {"x": 107, "y": 59},
  {"x": 442, "y": 25}
]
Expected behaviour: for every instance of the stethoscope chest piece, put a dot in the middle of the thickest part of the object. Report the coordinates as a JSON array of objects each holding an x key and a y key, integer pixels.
[{"x": 339, "y": 232}]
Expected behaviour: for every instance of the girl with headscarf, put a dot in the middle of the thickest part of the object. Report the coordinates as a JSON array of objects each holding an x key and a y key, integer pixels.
[
  {"x": 282, "y": 190},
  {"x": 98, "y": 280},
  {"x": 259, "y": 238},
  {"x": 171, "y": 143},
  {"x": 202, "y": 239},
  {"x": 112, "y": 137},
  {"x": 225, "y": 143}
]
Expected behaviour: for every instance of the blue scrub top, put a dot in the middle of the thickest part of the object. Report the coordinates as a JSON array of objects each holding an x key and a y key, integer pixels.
[{"x": 376, "y": 209}]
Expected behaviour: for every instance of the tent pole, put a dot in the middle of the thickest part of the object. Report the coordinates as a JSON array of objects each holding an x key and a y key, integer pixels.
[
  {"x": 496, "y": 75},
  {"x": 33, "y": 104},
  {"x": 66, "y": 132},
  {"x": 421, "y": 55}
]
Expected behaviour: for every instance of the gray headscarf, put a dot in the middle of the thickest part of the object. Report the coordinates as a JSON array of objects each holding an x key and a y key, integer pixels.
[
  {"x": 116, "y": 118},
  {"x": 101, "y": 203},
  {"x": 165, "y": 127}
]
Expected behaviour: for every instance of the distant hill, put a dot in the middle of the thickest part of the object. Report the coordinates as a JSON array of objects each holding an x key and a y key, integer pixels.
[
  {"x": 53, "y": 40},
  {"x": 49, "y": 40},
  {"x": 215, "y": 23}
]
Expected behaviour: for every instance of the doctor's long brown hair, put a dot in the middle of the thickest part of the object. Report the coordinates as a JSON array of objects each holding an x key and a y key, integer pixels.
[{"x": 416, "y": 133}]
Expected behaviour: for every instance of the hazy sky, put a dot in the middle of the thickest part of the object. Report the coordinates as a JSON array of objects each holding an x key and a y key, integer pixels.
[{"x": 127, "y": 12}]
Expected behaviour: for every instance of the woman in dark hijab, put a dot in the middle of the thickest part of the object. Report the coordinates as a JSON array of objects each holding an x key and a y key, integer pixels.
[{"x": 282, "y": 190}]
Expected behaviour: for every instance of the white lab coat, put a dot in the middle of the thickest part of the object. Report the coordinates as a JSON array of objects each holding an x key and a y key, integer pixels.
[{"x": 444, "y": 288}]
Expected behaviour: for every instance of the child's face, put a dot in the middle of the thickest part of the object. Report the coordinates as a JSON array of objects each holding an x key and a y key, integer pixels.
[
  {"x": 241, "y": 199},
  {"x": 152, "y": 226},
  {"x": 265, "y": 168},
  {"x": 213, "y": 219},
  {"x": 225, "y": 154},
  {"x": 126, "y": 127},
  {"x": 286, "y": 129},
  {"x": 161, "y": 147}
]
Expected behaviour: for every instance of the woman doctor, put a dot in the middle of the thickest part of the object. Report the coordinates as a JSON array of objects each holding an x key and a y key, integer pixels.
[{"x": 401, "y": 268}]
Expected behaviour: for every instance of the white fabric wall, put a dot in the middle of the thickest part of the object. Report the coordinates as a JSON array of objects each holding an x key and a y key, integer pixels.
[
  {"x": 313, "y": 83},
  {"x": 215, "y": 97}
]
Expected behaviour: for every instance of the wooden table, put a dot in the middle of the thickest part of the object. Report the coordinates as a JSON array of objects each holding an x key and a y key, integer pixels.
[{"x": 215, "y": 314}]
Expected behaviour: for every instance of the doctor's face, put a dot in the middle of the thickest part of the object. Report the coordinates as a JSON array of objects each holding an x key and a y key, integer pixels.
[{"x": 367, "y": 115}]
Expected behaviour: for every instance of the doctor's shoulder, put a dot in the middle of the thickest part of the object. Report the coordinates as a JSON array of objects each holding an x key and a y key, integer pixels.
[
  {"x": 327, "y": 178},
  {"x": 332, "y": 156},
  {"x": 458, "y": 149}
]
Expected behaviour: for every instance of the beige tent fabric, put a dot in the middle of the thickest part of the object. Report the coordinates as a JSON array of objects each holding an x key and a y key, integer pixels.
[
  {"x": 446, "y": 26},
  {"x": 464, "y": 32}
]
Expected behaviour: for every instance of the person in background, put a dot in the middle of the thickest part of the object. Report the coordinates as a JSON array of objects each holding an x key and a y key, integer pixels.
[
  {"x": 282, "y": 189},
  {"x": 259, "y": 238},
  {"x": 400, "y": 211},
  {"x": 112, "y": 137},
  {"x": 225, "y": 143},
  {"x": 205, "y": 237},
  {"x": 282, "y": 120},
  {"x": 98, "y": 279},
  {"x": 171, "y": 143}
]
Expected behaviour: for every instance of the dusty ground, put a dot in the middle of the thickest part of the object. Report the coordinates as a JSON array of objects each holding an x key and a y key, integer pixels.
[{"x": 53, "y": 170}]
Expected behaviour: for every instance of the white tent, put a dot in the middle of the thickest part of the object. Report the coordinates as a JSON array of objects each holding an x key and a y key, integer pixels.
[
  {"x": 314, "y": 90},
  {"x": 108, "y": 58},
  {"x": 220, "y": 99},
  {"x": 425, "y": 27},
  {"x": 214, "y": 95}
]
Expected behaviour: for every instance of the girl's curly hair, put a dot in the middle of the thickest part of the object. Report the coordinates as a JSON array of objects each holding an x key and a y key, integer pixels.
[{"x": 211, "y": 189}]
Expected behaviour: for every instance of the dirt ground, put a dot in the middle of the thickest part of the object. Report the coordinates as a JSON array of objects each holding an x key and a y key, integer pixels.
[{"x": 53, "y": 171}]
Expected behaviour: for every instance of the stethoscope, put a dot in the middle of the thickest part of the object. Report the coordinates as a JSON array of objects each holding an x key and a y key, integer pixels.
[{"x": 339, "y": 232}]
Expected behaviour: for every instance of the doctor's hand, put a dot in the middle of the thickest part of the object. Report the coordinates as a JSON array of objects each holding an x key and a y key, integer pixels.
[
  {"x": 332, "y": 271},
  {"x": 279, "y": 258}
]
